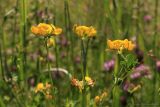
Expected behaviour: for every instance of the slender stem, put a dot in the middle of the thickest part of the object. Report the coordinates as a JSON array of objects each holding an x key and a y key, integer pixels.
[
  {"x": 56, "y": 52},
  {"x": 23, "y": 39},
  {"x": 116, "y": 88},
  {"x": 155, "y": 26},
  {"x": 48, "y": 63},
  {"x": 1, "y": 61},
  {"x": 83, "y": 58},
  {"x": 84, "y": 52},
  {"x": 116, "y": 96}
]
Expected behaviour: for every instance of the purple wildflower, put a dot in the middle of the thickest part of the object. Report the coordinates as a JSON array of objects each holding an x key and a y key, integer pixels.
[
  {"x": 140, "y": 71},
  {"x": 147, "y": 18},
  {"x": 109, "y": 65}
]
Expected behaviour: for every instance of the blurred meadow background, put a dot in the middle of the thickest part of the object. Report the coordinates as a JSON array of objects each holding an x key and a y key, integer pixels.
[{"x": 32, "y": 75}]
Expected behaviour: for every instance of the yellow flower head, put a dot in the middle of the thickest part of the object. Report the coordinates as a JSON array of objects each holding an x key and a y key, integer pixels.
[
  {"x": 120, "y": 44},
  {"x": 78, "y": 84},
  {"x": 89, "y": 81},
  {"x": 101, "y": 97},
  {"x": 84, "y": 31},
  {"x": 56, "y": 30},
  {"x": 40, "y": 87},
  {"x": 50, "y": 42},
  {"x": 97, "y": 99},
  {"x": 44, "y": 29}
]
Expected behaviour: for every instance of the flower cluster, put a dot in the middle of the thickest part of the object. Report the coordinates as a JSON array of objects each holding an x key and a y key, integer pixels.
[
  {"x": 84, "y": 31},
  {"x": 81, "y": 84},
  {"x": 45, "y": 89},
  {"x": 109, "y": 65},
  {"x": 89, "y": 81},
  {"x": 44, "y": 29},
  {"x": 120, "y": 44},
  {"x": 140, "y": 71},
  {"x": 100, "y": 98}
]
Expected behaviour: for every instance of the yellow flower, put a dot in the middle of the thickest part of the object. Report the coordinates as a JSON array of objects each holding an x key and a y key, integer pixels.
[
  {"x": 84, "y": 31},
  {"x": 40, "y": 87},
  {"x": 44, "y": 29},
  {"x": 34, "y": 30},
  {"x": 91, "y": 32},
  {"x": 89, "y": 81},
  {"x": 97, "y": 99},
  {"x": 56, "y": 31},
  {"x": 78, "y": 84},
  {"x": 50, "y": 42},
  {"x": 101, "y": 97},
  {"x": 87, "y": 78},
  {"x": 120, "y": 45}
]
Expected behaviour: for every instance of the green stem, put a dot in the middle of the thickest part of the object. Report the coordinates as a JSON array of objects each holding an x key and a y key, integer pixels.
[
  {"x": 48, "y": 63},
  {"x": 2, "y": 102},
  {"x": 2, "y": 68},
  {"x": 23, "y": 39},
  {"x": 116, "y": 96},
  {"x": 83, "y": 58},
  {"x": 116, "y": 88},
  {"x": 84, "y": 52},
  {"x": 56, "y": 52}
]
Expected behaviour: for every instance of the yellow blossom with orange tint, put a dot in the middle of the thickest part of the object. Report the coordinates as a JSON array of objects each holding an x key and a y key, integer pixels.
[
  {"x": 56, "y": 30},
  {"x": 42, "y": 88},
  {"x": 44, "y": 29},
  {"x": 78, "y": 84},
  {"x": 89, "y": 81},
  {"x": 120, "y": 45},
  {"x": 97, "y": 99},
  {"x": 84, "y": 31},
  {"x": 39, "y": 88},
  {"x": 45, "y": 89},
  {"x": 100, "y": 98},
  {"x": 74, "y": 82}
]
